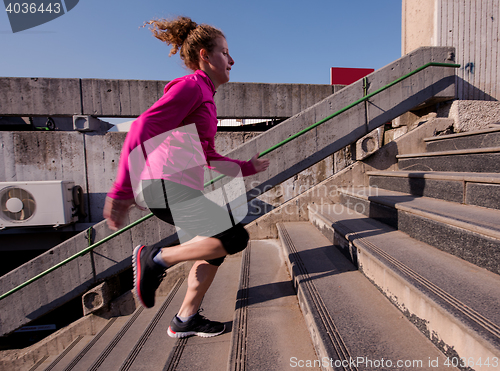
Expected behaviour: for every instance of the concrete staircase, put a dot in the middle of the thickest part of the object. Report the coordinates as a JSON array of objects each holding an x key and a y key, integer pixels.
[
  {"x": 427, "y": 237},
  {"x": 400, "y": 274},
  {"x": 258, "y": 329}
]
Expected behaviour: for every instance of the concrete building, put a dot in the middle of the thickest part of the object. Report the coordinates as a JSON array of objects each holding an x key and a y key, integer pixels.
[{"x": 471, "y": 27}]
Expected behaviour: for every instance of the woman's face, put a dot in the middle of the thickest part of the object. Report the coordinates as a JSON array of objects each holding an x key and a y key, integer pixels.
[{"x": 219, "y": 63}]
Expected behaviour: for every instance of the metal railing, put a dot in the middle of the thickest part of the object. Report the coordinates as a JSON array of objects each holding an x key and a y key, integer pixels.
[{"x": 276, "y": 146}]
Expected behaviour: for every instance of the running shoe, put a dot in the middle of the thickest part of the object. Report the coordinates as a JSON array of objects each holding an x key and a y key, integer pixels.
[
  {"x": 198, "y": 325},
  {"x": 147, "y": 274}
]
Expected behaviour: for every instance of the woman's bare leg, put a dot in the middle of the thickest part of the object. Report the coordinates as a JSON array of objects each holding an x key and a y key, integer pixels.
[
  {"x": 199, "y": 248},
  {"x": 199, "y": 280}
]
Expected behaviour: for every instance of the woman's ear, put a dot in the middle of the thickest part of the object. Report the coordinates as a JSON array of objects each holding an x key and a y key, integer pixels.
[{"x": 204, "y": 55}]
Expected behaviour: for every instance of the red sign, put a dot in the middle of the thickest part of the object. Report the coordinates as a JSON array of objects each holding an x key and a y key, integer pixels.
[{"x": 346, "y": 76}]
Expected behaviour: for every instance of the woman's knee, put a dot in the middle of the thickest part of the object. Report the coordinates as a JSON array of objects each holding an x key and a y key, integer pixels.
[{"x": 235, "y": 240}]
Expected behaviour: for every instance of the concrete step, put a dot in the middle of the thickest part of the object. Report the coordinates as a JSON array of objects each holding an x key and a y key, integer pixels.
[
  {"x": 351, "y": 324},
  {"x": 478, "y": 160},
  {"x": 110, "y": 352},
  {"x": 140, "y": 351},
  {"x": 61, "y": 361},
  {"x": 448, "y": 226},
  {"x": 267, "y": 316},
  {"x": 139, "y": 341},
  {"x": 472, "y": 139},
  {"x": 453, "y": 302},
  {"x": 211, "y": 354},
  {"x": 116, "y": 342},
  {"x": 87, "y": 355},
  {"x": 269, "y": 331},
  {"x": 479, "y": 189}
]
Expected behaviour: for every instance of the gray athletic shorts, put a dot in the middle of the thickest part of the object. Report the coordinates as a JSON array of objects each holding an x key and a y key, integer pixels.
[{"x": 190, "y": 210}]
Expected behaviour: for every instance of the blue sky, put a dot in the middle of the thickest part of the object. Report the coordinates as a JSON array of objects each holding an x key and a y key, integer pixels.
[{"x": 271, "y": 41}]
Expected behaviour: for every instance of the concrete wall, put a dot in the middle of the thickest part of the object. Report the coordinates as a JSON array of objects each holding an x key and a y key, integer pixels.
[
  {"x": 471, "y": 27},
  {"x": 352, "y": 176},
  {"x": 431, "y": 85},
  {"x": 89, "y": 160},
  {"x": 417, "y": 24},
  {"x": 474, "y": 115},
  {"x": 129, "y": 98}
]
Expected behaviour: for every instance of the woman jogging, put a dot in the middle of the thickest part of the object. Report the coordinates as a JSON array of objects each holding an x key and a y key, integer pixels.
[{"x": 162, "y": 167}]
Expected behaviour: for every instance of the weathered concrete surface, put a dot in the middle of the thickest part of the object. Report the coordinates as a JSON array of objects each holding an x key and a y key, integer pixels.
[
  {"x": 474, "y": 139},
  {"x": 76, "y": 277},
  {"x": 295, "y": 209},
  {"x": 344, "y": 129},
  {"x": 119, "y": 98},
  {"x": 480, "y": 189},
  {"x": 129, "y": 98},
  {"x": 257, "y": 100},
  {"x": 44, "y": 295},
  {"x": 437, "y": 279},
  {"x": 339, "y": 302},
  {"x": 271, "y": 309},
  {"x": 96, "y": 298},
  {"x": 370, "y": 143},
  {"x": 470, "y": 115},
  {"x": 89, "y": 160},
  {"x": 443, "y": 189},
  {"x": 485, "y": 195},
  {"x": 484, "y": 160},
  {"x": 20, "y": 96},
  {"x": 89, "y": 325},
  {"x": 451, "y": 23},
  {"x": 417, "y": 26}
]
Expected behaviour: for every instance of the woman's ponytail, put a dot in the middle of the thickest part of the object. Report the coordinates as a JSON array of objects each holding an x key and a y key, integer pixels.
[{"x": 185, "y": 35}]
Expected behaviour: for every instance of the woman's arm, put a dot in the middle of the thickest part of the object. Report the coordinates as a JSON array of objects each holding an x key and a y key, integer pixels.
[
  {"x": 230, "y": 166},
  {"x": 166, "y": 114},
  {"x": 179, "y": 100}
]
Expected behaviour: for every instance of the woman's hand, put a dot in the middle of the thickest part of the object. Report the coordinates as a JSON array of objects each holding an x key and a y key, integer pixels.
[
  {"x": 116, "y": 211},
  {"x": 259, "y": 164}
]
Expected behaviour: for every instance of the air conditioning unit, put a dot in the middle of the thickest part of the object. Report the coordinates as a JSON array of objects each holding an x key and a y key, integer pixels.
[{"x": 38, "y": 203}]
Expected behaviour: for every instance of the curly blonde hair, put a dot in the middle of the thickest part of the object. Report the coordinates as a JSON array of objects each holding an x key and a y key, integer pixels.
[{"x": 187, "y": 36}]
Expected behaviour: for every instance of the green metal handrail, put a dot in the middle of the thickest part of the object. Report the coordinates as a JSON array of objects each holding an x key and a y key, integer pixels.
[{"x": 280, "y": 144}]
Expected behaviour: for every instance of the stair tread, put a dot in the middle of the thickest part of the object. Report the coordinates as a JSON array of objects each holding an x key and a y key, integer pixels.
[
  {"x": 57, "y": 364},
  {"x": 96, "y": 349},
  {"x": 464, "y": 134},
  {"x": 451, "y": 152},
  {"x": 146, "y": 356},
  {"x": 441, "y": 175},
  {"x": 277, "y": 332},
  {"x": 475, "y": 287},
  {"x": 218, "y": 304},
  {"x": 368, "y": 323},
  {"x": 112, "y": 356},
  {"x": 473, "y": 218},
  {"x": 120, "y": 352}
]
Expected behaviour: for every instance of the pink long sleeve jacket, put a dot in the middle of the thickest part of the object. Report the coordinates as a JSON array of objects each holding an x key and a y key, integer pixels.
[{"x": 174, "y": 139}]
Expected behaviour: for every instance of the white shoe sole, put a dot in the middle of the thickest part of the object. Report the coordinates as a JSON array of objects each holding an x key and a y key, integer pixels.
[{"x": 180, "y": 335}]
